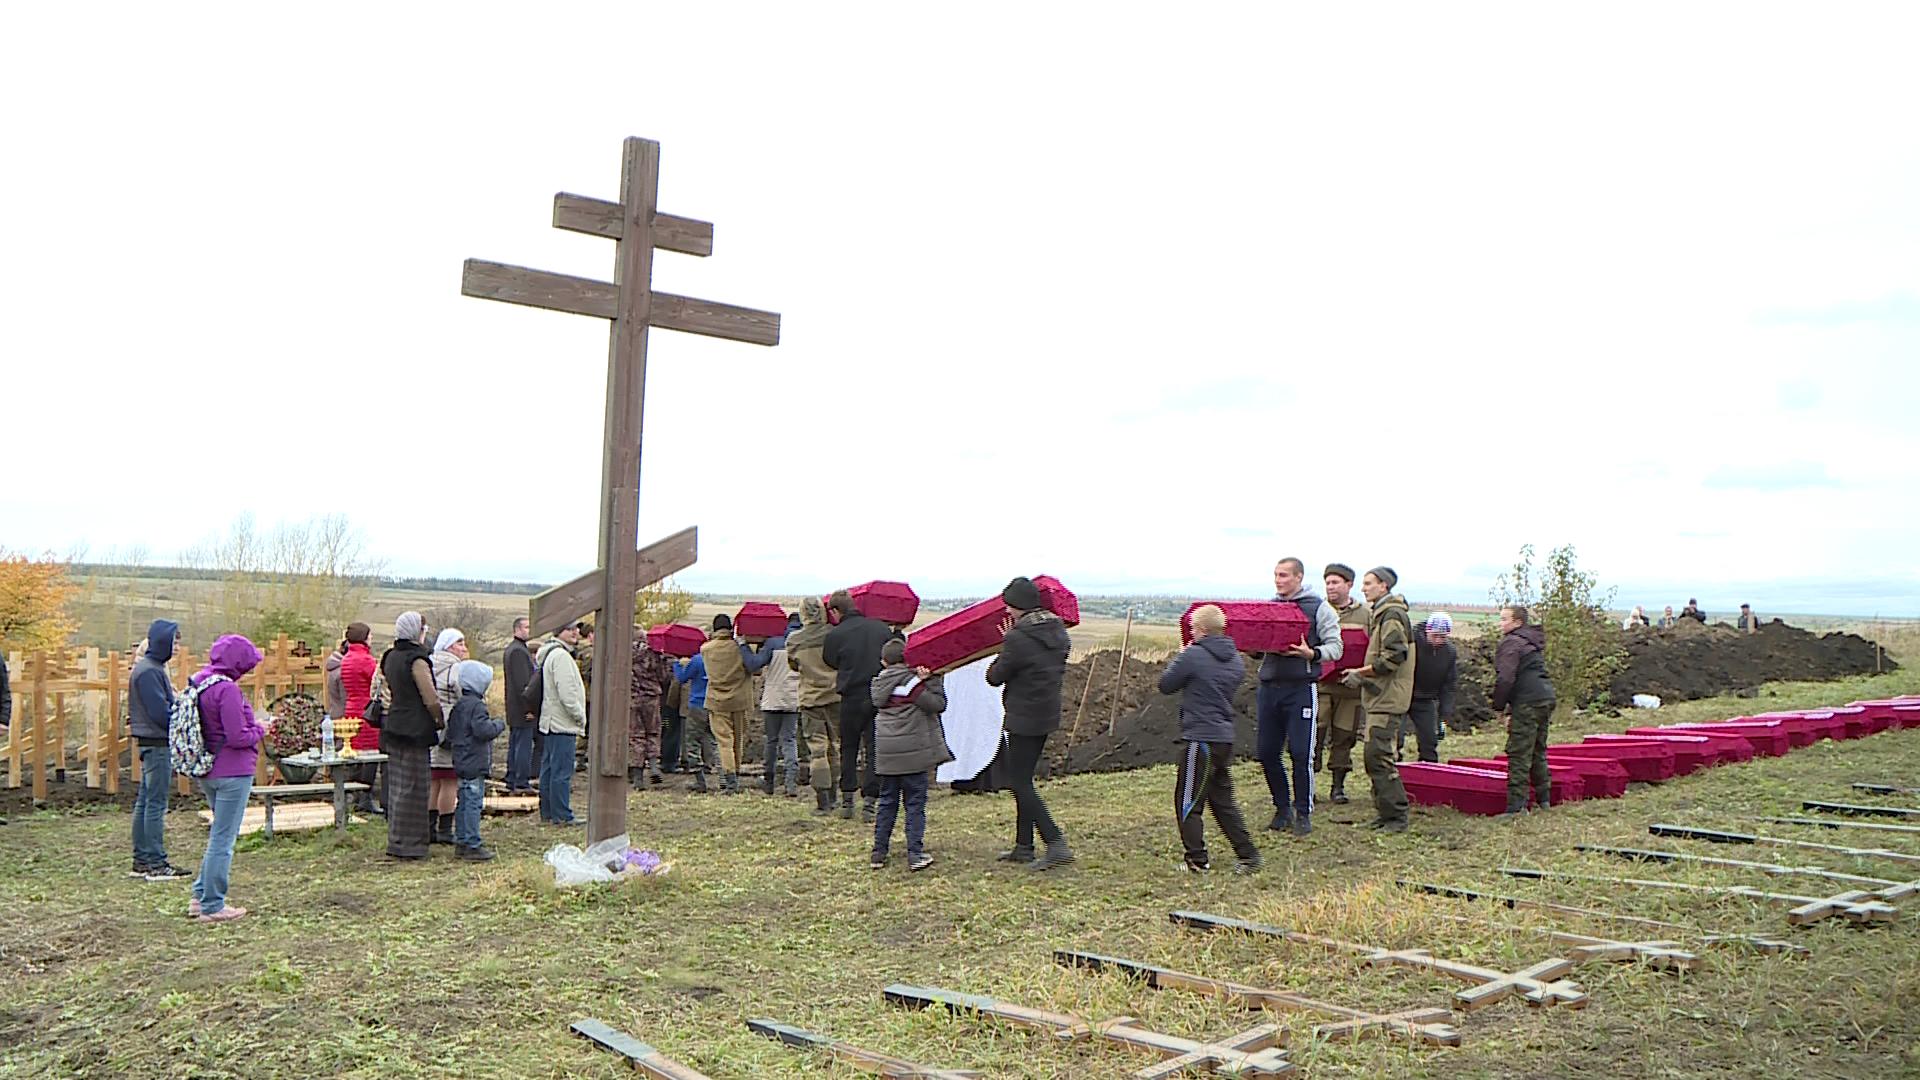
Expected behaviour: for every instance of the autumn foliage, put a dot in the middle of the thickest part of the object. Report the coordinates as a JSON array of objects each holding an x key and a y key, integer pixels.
[{"x": 33, "y": 603}]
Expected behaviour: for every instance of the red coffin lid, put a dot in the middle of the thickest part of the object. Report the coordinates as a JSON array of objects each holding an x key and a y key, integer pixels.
[
  {"x": 676, "y": 639},
  {"x": 1254, "y": 625},
  {"x": 1353, "y": 653},
  {"x": 892, "y": 602},
  {"x": 759, "y": 619},
  {"x": 1059, "y": 599},
  {"x": 974, "y": 631}
]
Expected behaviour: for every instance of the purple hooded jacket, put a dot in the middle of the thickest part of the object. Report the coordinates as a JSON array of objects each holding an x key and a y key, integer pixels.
[{"x": 226, "y": 718}]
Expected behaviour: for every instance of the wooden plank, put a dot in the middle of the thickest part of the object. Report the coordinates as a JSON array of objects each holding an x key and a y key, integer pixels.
[
  {"x": 713, "y": 319},
  {"x": 1854, "y": 810},
  {"x": 287, "y": 817},
  {"x": 577, "y": 599},
  {"x": 539, "y": 288},
  {"x": 865, "y": 1060},
  {"x": 117, "y": 740},
  {"x": 1859, "y": 907},
  {"x": 1892, "y": 889},
  {"x": 641, "y": 1056},
  {"x": 1757, "y": 942},
  {"x": 41, "y": 730},
  {"x": 1838, "y": 823},
  {"x": 1716, "y": 836},
  {"x": 598, "y": 217}
]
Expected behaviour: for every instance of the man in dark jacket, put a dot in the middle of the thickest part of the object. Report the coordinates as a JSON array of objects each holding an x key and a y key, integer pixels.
[
  {"x": 852, "y": 650},
  {"x": 149, "y": 709},
  {"x": 1435, "y": 677},
  {"x": 523, "y": 728},
  {"x": 1031, "y": 666},
  {"x": 1286, "y": 704},
  {"x": 1205, "y": 675},
  {"x": 1521, "y": 684}
]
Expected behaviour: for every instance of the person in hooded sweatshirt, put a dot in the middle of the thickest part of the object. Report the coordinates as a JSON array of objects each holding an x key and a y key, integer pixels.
[
  {"x": 819, "y": 701},
  {"x": 1386, "y": 693},
  {"x": 779, "y": 710},
  {"x": 149, "y": 708},
  {"x": 1031, "y": 665},
  {"x": 449, "y": 649},
  {"x": 1206, "y": 674},
  {"x": 908, "y": 743},
  {"x": 852, "y": 650},
  {"x": 470, "y": 735},
  {"x": 233, "y": 736},
  {"x": 1521, "y": 685}
]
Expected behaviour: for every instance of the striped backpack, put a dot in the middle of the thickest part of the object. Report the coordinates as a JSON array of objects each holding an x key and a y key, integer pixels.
[{"x": 186, "y": 742}]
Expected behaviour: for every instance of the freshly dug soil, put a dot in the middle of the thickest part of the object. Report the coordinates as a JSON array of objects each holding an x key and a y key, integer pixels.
[{"x": 1687, "y": 662}]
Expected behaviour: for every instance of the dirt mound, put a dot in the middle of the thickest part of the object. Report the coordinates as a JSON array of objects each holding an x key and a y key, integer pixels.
[{"x": 1686, "y": 662}]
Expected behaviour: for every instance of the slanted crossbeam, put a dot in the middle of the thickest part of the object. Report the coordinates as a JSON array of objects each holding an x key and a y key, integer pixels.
[
  {"x": 1858, "y": 907},
  {"x": 1758, "y": 942},
  {"x": 1889, "y": 890},
  {"x": 1539, "y": 985},
  {"x": 1856, "y": 810},
  {"x": 641, "y": 1056},
  {"x": 1835, "y": 823},
  {"x": 1716, "y": 836},
  {"x": 1249, "y": 1053},
  {"x": 1429, "y": 1025},
  {"x": 566, "y": 604},
  {"x": 864, "y": 1060}
]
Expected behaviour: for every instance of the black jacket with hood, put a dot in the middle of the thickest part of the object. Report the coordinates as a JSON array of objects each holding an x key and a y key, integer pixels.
[
  {"x": 149, "y": 691},
  {"x": 1205, "y": 674},
  {"x": 852, "y": 650},
  {"x": 1520, "y": 668},
  {"x": 1031, "y": 666}
]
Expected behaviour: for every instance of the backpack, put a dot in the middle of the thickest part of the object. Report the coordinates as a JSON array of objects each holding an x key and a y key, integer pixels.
[
  {"x": 186, "y": 742},
  {"x": 534, "y": 694}
]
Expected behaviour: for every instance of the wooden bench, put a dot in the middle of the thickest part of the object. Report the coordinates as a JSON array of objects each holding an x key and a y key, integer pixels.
[{"x": 269, "y": 792}]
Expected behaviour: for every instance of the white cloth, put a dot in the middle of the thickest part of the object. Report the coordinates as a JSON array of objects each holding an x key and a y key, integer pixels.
[{"x": 972, "y": 722}]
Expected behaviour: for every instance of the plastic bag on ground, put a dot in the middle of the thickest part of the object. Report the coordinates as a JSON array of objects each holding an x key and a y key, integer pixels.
[
  {"x": 572, "y": 866},
  {"x": 1646, "y": 701}
]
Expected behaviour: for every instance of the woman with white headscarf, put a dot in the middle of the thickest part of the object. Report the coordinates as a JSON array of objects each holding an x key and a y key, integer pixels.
[
  {"x": 412, "y": 726},
  {"x": 449, "y": 649}
]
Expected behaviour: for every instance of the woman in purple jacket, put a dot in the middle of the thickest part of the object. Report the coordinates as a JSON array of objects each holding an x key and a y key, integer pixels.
[{"x": 233, "y": 736}]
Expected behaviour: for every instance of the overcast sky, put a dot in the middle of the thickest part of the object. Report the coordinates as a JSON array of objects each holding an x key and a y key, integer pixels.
[{"x": 1142, "y": 297}]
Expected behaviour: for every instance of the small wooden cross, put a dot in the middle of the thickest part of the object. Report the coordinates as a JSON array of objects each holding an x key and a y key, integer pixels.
[
  {"x": 1248, "y": 1053},
  {"x": 1758, "y": 942},
  {"x": 864, "y": 1060},
  {"x": 630, "y": 303},
  {"x": 641, "y": 1056}
]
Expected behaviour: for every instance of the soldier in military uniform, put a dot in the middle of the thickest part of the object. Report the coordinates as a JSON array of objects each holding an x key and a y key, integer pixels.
[
  {"x": 651, "y": 674},
  {"x": 1340, "y": 717}
]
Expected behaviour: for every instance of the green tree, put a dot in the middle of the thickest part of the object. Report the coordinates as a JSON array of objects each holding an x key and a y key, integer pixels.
[
  {"x": 1584, "y": 650},
  {"x": 661, "y": 602}
]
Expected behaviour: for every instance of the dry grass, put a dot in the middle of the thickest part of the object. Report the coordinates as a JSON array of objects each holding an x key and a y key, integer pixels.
[{"x": 350, "y": 967}]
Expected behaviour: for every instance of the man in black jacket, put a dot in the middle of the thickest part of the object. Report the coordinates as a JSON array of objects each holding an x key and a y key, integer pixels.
[
  {"x": 1031, "y": 666},
  {"x": 1205, "y": 675},
  {"x": 852, "y": 650},
  {"x": 1521, "y": 684},
  {"x": 1435, "y": 677},
  {"x": 523, "y": 728},
  {"x": 149, "y": 713}
]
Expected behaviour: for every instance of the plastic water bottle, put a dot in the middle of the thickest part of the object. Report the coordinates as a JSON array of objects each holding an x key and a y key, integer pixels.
[{"x": 326, "y": 737}]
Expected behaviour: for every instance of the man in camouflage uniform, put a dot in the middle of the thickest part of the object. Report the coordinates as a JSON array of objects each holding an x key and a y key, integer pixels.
[
  {"x": 819, "y": 701},
  {"x": 651, "y": 673},
  {"x": 1340, "y": 717}
]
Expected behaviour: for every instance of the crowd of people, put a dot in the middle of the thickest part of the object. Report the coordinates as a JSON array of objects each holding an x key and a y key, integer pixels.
[
  {"x": 1747, "y": 622},
  {"x": 839, "y": 696}
]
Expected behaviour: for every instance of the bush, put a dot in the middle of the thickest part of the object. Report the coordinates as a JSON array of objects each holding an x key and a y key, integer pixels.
[
  {"x": 1583, "y": 644},
  {"x": 298, "y": 627}
]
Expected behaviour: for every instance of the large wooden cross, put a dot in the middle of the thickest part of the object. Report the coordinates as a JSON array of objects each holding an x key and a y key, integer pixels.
[{"x": 631, "y": 304}]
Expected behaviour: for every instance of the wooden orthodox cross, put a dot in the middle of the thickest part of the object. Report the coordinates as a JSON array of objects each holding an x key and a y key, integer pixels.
[{"x": 632, "y": 306}]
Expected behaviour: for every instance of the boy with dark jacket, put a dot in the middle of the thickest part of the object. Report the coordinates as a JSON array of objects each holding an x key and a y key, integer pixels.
[
  {"x": 149, "y": 710},
  {"x": 1205, "y": 675},
  {"x": 470, "y": 735},
  {"x": 908, "y": 742},
  {"x": 1521, "y": 684}
]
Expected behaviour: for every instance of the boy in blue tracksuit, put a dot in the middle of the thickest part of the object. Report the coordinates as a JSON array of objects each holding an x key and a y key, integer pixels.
[
  {"x": 699, "y": 750},
  {"x": 470, "y": 735},
  {"x": 1205, "y": 675},
  {"x": 149, "y": 710}
]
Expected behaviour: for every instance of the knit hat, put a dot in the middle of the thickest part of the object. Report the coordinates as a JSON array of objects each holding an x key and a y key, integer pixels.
[
  {"x": 1439, "y": 623},
  {"x": 1341, "y": 569},
  {"x": 1022, "y": 594},
  {"x": 722, "y": 622},
  {"x": 1386, "y": 574},
  {"x": 357, "y": 632},
  {"x": 448, "y": 639},
  {"x": 408, "y": 626},
  {"x": 893, "y": 652}
]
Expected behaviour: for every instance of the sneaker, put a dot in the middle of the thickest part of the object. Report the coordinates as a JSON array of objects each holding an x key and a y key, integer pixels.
[
  {"x": 1282, "y": 821},
  {"x": 1248, "y": 866},
  {"x": 1397, "y": 825},
  {"x": 140, "y": 870},
  {"x": 920, "y": 861},
  {"x": 1015, "y": 854},
  {"x": 193, "y": 909},
  {"x": 476, "y": 853},
  {"x": 1339, "y": 796},
  {"x": 878, "y": 861},
  {"x": 1302, "y": 825},
  {"x": 1195, "y": 867},
  {"x": 166, "y": 872},
  {"x": 225, "y": 914}
]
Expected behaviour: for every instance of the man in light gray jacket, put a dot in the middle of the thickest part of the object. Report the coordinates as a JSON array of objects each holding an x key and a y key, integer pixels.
[{"x": 563, "y": 717}]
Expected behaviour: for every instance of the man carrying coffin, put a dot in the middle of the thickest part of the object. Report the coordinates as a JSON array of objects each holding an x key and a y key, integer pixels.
[
  {"x": 1286, "y": 704},
  {"x": 1338, "y": 724}
]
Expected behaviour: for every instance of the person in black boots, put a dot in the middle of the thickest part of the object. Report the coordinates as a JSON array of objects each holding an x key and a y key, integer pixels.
[
  {"x": 1205, "y": 674},
  {"x": 1031, "y": 664},
  {"x": 852, "y": 650},
  {"x": 1522, "y": 689}
]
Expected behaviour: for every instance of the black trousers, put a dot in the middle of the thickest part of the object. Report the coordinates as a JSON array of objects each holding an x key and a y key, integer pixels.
[
  {"x": 1425, "y": 716},
  {"x": 856, "y": 745},
  {"x": 1022, "y": 756},
  {"x": 1204, "y": 781}
]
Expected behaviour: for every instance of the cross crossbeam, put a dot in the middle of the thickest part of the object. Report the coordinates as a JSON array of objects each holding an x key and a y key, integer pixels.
[
  {"x": 1249, "y": 1053},
  {"x": 1889, "y": 890},
  {"x": 1429, "y": 1025},
  {"x": 1884, "y": 789},
  {"x": 641, "y": 1056},
  {"x": 564, "y": 604},
  {"x": 1658, "y": 955},
  {"x": 1856, "y": 906},
  {"x": 1715, "y": 836},
  {"x": 1857, "y": 810},
  {"x": 864, "y": 1060},
  {"x": 1538, "y": 985},
  {"x": 1835, "y": 823}
]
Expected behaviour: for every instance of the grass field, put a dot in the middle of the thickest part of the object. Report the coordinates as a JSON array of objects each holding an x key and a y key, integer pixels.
[{"x": 352, "y": 967}]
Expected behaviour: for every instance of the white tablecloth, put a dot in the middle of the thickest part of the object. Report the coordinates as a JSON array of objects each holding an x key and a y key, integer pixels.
[{"x": 972, "y": 722}]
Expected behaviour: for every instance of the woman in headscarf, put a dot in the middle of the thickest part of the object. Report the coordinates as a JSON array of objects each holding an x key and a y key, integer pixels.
[
  {"x": 448, "y": 650},
  {"x": 413, "y": 725}
]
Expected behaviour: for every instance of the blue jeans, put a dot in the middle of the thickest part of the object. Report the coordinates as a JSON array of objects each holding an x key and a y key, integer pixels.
[
  {"x": 894, "y": 790},
  {"x": 466, "y": 812},
  {"x": 150, "y": 807},
  {"x": 556, "y": 778},
  {"x": 227, "y": 797},
  {"x": 782, "y": 743},
  {"x": 520, "y": 756},
  {"x": 1285, "y": 715}
]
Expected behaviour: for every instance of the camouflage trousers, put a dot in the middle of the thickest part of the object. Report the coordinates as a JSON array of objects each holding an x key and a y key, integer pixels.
[{"x": 643, "y": 735}]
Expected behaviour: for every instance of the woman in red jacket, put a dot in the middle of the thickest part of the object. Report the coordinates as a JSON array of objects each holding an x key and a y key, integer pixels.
[{"x": 356, "y": 680}]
